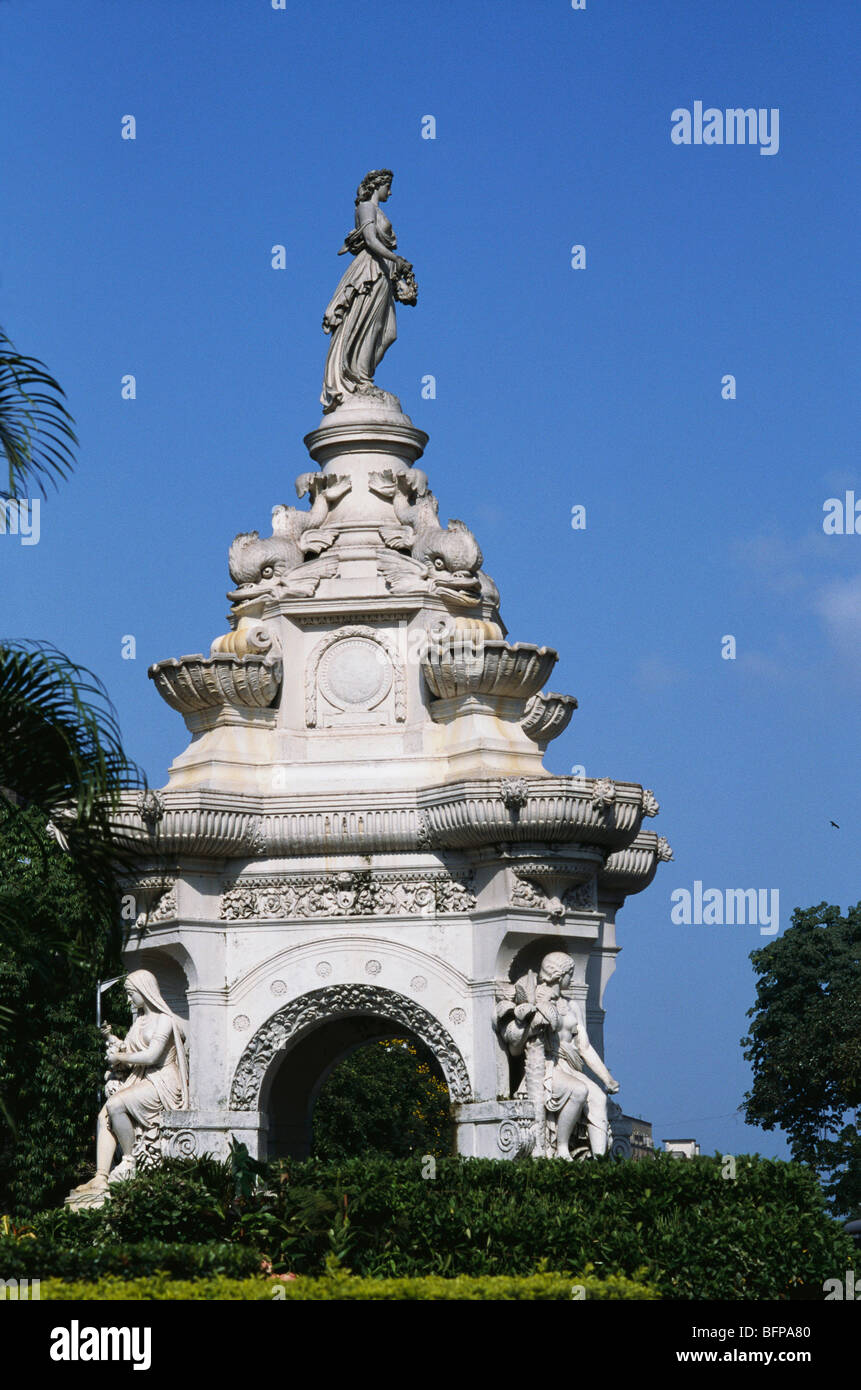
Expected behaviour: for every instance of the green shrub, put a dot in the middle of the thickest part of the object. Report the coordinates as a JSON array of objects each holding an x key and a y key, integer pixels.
[
  {"x": 764, "y": 1235},
  {"x": 41, "y": 1259},
  {"x": 678, "y": 1224},
  {"x": 543, "y": 1287},
  {"x": 404, "y": 1106},
  {"x": 167, "y": 1204}
]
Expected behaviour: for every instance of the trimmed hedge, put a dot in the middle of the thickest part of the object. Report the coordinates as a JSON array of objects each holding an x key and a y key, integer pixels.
[
  {"x": 676, "y": 1224},
  {"x": 42, "y": 1259},
  {"x": 555, "y": 1288}
]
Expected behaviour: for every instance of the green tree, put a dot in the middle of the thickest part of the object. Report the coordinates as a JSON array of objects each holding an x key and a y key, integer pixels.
[
  {"x": 60, "y": 745},
  {"x": 52, "y": 1060},
  {"x": 805, "y": 1045},
  {"x": 385, "y": 1098},
  {"x": 63, "y": 771}
]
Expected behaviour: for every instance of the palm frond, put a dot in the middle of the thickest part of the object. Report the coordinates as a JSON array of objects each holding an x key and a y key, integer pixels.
[
  {"x": 36, "y": 429},
  {"x": 61, "y": 751}
]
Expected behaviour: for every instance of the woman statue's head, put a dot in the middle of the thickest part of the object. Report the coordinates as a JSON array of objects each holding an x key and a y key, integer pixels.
[
  {"x": 134, "y": 996},
  {"x": 142, "y": 988},
  {"x": 377, "y": 179},
  {"x": 555, "y": 967}
]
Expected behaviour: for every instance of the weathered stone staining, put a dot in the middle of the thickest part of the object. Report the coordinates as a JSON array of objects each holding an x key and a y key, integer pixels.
[{"x": 361, "y": 835}]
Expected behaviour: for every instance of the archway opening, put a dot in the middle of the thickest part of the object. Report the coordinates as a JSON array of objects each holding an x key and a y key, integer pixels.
[
  {"x": 358, "y": 1085},
  {"x": 386, "y": 1097}
]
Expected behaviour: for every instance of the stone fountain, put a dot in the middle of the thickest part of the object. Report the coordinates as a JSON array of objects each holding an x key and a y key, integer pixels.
[{"x": 361, "y": 839}]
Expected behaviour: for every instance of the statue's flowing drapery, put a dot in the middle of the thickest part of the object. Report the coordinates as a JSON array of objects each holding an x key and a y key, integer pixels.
[
  {"x": 360, "y": 316},
  {"x": 147, "y": 1090}
]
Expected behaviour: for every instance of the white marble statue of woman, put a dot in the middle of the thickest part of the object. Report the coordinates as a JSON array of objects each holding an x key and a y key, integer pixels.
[
  {"x": 154, "y": 1054},
  {"x": 360, "y": 316}
]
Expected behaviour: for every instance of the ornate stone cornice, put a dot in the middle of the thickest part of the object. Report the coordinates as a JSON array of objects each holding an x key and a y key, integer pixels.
[{"x": 460, "y": 815}]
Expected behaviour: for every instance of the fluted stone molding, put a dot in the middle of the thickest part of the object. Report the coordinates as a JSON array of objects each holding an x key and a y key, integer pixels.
[
  {"x": 461, "y": 815},
  {"x": 632, "y": 869},
  {"x": 547, "y": 716},
  {"x": 332, "y": 1002}
]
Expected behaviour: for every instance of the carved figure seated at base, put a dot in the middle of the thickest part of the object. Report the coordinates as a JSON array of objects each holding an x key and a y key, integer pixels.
[{"x": 153, "y": 1064}]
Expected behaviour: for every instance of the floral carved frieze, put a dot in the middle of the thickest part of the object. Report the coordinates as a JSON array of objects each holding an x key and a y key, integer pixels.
[
  {"x": 165, "y": 908},
  {"x": 154, "y": 898},
  {"x": 348, "y": 894},
  {"x": 553, "y": 890},
  {"x": 323, "y": 1005}
]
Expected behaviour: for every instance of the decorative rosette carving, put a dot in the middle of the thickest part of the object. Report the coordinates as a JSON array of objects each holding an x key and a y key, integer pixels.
[
  {"x": 514, "y": 792},
  {"x": 603, "y": 793}
]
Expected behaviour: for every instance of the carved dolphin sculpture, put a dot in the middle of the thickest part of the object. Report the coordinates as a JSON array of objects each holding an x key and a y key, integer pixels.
[
  {"x": 264, "y": 566},
  {"x": 451, "y": 553}
]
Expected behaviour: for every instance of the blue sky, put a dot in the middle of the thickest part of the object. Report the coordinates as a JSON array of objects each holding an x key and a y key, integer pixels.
[{"x": 555, "y": 387}]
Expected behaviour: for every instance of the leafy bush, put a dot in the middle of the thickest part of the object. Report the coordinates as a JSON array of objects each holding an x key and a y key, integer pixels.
[
  {"x": 678, "y": 1224},
  {"x": 404, "y": 1106},
  {"x": 544, "y": 1287},
  {"x": 168, "y": 1205},
  {"x": 41, "y": 1259}
]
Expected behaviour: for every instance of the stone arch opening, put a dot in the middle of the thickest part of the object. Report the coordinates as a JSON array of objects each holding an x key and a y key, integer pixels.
[{"x": 286, "y": 1063}]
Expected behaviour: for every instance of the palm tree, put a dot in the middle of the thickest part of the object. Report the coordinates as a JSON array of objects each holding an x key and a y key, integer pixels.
[
  {"x": 60, "y": 747},
  {"x": 31, "y": 405}
]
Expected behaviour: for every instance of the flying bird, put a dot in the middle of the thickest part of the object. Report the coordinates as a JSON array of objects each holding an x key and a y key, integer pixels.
[{"x": 836, "y": 826}]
